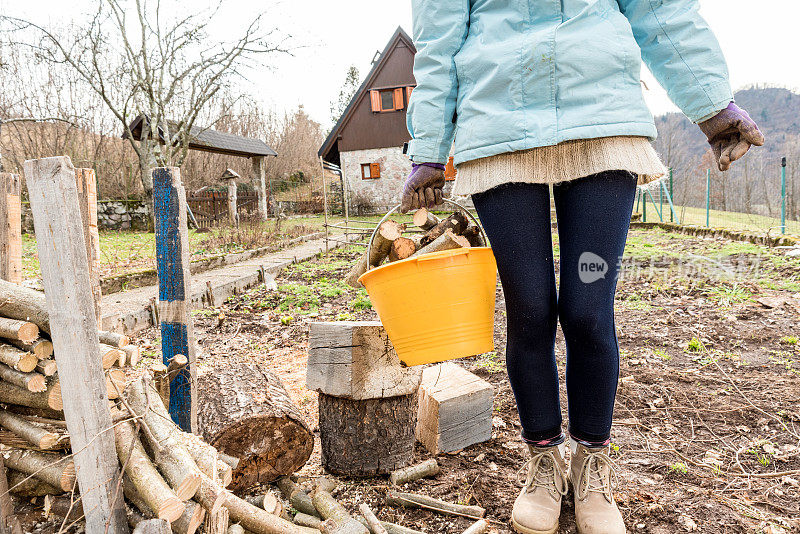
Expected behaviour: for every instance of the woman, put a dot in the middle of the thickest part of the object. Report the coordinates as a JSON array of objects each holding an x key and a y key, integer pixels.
[{"x": 541, "y": 92}]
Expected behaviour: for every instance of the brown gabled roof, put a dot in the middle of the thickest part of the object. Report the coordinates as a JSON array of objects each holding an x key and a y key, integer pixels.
[
  {"x": 330, "y": 141},
  {"x": 211, "y": 141}
]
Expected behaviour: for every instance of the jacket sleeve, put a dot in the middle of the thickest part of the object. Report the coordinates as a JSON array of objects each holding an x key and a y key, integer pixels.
[
  {"x": 682, "y": 53},
  {"x": 440, "y": 28}
]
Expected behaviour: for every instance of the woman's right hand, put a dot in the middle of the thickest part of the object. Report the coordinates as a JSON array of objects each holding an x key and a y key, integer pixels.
[{"x": 423, "y": 187}]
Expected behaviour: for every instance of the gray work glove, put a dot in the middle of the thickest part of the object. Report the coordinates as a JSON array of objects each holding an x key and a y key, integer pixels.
[
  {"x": 730, "y": 133},
  {"x": 423, "y": 187}
]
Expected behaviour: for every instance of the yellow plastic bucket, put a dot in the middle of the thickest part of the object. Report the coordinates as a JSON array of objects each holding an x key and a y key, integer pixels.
[{"x": 436, "y": 306}]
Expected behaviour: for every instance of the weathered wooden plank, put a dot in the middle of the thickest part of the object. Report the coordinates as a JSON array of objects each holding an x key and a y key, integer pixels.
[
  {"x": 10, "y": 228},
  {"x": 260, "y": 185},
  {"x": 73, "y": 328},
  {"x": 87, "y": 198},
  {"x": 174, "y": 292},
  {"x": 356, "y": 360},
  {"x": 455, "y": 408}
]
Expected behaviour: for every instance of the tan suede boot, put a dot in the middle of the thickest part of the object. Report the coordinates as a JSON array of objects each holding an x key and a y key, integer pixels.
[
  {"x": 544, "y": 481},
  {"x": 591, "y": 471}
]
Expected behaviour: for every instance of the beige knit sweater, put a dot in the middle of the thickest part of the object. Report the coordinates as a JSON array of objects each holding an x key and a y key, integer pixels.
[{"x": 558, "y": 163}]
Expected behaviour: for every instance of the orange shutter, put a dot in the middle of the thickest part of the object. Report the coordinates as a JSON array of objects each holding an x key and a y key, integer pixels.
[
  {"x": 450, "y": 170},
  {"x": 375, "y": 98},
  {"x": 375, "y": 170},
  {"x": 408, "y": 93},
  {"x": 398, "y": 98}
]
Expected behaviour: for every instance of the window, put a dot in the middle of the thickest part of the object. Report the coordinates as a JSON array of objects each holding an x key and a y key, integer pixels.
[
  {"x": 370, "y": 171},
  {"x": 449, "y": 170},
  {"x": 383, "y": 100}
]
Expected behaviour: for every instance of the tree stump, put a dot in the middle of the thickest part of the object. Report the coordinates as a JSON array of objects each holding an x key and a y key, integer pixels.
[
  {"x": 366, "y": 437},
  {"x": 246, "y": 412}
]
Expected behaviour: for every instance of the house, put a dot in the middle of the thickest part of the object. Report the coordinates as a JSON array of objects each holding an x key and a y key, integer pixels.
[{"x": 367, "y": 140}]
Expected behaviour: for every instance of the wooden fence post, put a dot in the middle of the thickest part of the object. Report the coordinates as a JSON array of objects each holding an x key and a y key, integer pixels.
[
  {"x": 73, "y": 329},
  {"x": 260, "y": 185},
  {"x": 87, "y": 198},
  {"x": 174, "y": 292},
  {"x": 10, "y": 228}
]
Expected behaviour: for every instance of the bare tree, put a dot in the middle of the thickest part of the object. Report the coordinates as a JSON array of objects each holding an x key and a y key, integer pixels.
[
  {"x": 143, "y": 63},
  {"x": 346, "y": 93}
]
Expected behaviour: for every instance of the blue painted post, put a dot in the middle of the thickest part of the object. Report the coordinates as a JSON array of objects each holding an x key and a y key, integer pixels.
[
  {"x": 708, "y": 197},
  {"x": 783, "y": 195},
  {"x": 174, "y": 285}
]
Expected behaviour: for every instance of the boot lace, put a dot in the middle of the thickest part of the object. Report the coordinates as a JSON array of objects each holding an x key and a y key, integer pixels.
[
  {"x": 542, "y": 471},
  {"x": 592, "y": 477}
]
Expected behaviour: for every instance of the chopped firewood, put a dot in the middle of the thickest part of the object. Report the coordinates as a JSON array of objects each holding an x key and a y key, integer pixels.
[
  {"x": 425, "y": 219},
  {"x": 17, "y": 359},
  {"x": 133, "y": 497},
  {"x": 46, "y": 367},
  {"x": 457, "y": 222},
  {"x": 329, "y": 508},
  {"x": 109, "y": 355},
  {"x": 9, "y": 524},
  {"x": 217, "y": 523},
  {"x": 147, "y": 481},
  {"x": 257, "y": 520},
  {"x": 325, "y": 484},
  {"x": 23, "y": 428},
  {"x": 153, "y": 526},
  {"x": 132, "y": 354},
  {"x": 113, "y": 339},
  {"x": 55, "y": 469},
  {"x": 115, "y": 383},
  {"x": 428, "y": 468},
  {"x": 448, "y": 240},
  {"x": 41, "y": 348},
  {"x": 207, "y": 459},
  {"x": 474, "y": 236},
  {"x": 236, "y": 528},
  {"x": 160, "y": 381},
  {"x": 11, "y": 394},
  {"x": 34, "y": 382},
  {"x": 67, "y": 507},
  {"x": 413, "y": 500},
  {"x": 478, "y": 527},
  {"x": 19, "y": 330},
  {"x": 25, "y": 485},
  {"x": 177, "y": 364},
  {"x": 402, "y": 248},
  {"x": 24, "y": 304},
  {"x": 374, "y": 525},
  {"x": 307, "y": 520},
  {"x": 392, "y": 528},
  {"x": 387, "y": 232},
  {"x": 298, "y": 498}
]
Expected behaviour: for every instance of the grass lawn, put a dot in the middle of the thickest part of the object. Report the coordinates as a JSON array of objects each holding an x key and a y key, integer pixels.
[{"x": 723, "y": 219}]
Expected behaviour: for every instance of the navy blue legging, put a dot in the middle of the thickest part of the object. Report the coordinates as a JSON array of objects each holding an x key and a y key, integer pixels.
[{"x": 593, "y": 216}]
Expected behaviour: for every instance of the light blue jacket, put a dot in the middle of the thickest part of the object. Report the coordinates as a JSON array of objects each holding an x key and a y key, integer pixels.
[{"x": 508, "y": 75}]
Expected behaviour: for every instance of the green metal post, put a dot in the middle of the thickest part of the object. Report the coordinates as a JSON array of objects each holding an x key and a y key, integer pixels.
[
  {"x": 644, "y": 206},
  {"x": 783, "y": 195},
  {"x": 671, "y": 197},
  {"x": 708, "y": 197}
]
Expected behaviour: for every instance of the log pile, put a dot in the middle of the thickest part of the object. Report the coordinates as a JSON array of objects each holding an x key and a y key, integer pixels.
[{"x": 390, "y": 244}]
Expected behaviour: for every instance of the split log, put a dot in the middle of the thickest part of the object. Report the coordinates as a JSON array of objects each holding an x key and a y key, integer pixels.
[
  {"x": 132, "y": 354},
  {"x": 16, "y": 358},
  {"x": 33, "y": 434},
  {"x": 164, "y": 439},
  {"x": 330, "y": 508},
  {"x": 113, "y": 339},
  {"x": 374, "y": 525},
  {"x": 253, "y": 420},
  {"x": 386, "y": 234},
  {"x": 11, "y": 394},
  {"x": 413, "y": 500},
  {"x": 23, "y": 331},
  {"x": 381, "y": 430},
  {"x": 153, "y": 526},
  {"x": 217, "y": 523},
  {"x": 447, "y": 241},
  {"x": 428, "y": 468},
  {"x": 47, "y": 367},
  {"x": 24, "y": 485},
  {"x": 298, "y": 498},
  {"x": 425, "y": 219},
  {"x": 402, "y": 248},
  {"x": 109, "y": 355},
  {"x": 478, "y": 527},
  {"x": 24, "y": 304},
  {"x": 31, "y": 381},
  {"x": 54, "y": 469},
  {"x": 40, "y": 347},
  {"x": 159, "y": 497},
  {"x": 306, "y": 520},
  {"x": 474, "y": 236},
  {"x": 457, "y": 222},
  {"x": 392, "y": 528}
]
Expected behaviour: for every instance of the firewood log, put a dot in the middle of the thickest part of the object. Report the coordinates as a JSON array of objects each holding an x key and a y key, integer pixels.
[
  {"x": 474, "y": 236},
  {"x": 33, "y": 382},
  {"x": 33, "y": 434},
  {"x": 109, "y": 355},
  {"x": 41, "y": 348},
  {"x": 17, "y": 359},
  {"x": 217, "y": 523},
  {"x": 113, "y": 339},
  {"x": 66, "y": 507},
  {"x": 11, "y": 394},
  {"x": 402, "y": 248},
  {"x": 457, "y": 222},
  {"x": 132, "y": 354},
  {"x": 428, "y": 468},
  {"x": 46, "y": 367},
  {"x": 8, "y": 521},
  {"x": 54, "y": 469},
  {"x": 133, "y": 497},
  {"x": 386, "y": 234},
  {"x": 24, "y": 304},
  {"x": 413, "y": 500},
  {"x": 325, "y": 484},
  {"x": 176, "y": 365},
  {"x": 448, "y": 240},
  {"x": 23, "y": 331},
  {"x": 153, "y": 526},
  {"x": 478, "y": 527},
  {"x": 168, "y": 451},
  {"x": 160, "y": 381},
  {"x": 236, "y": 528},
  {"x": 374, "y": 525},
  {"x": 115, "y": 383},
  {"x": 425, "y": 219},
  {"x": 298, "y": 498},
  {"x": 306, "y": 520},
  {"x": 207, "y": 459},
  {"x": 254, "y": 420},
  {"x": 153, "y": 490},
  {"x": 391, "y": 528},
  {"x": 330, "y": 508},
  {"x": 25, "y": 485},
  {"x": 257, "y": 520},
  {"x": 190, "y": 520}
]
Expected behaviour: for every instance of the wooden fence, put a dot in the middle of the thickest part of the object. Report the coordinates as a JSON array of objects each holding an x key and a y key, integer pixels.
[{"x": 210, "y": 208}]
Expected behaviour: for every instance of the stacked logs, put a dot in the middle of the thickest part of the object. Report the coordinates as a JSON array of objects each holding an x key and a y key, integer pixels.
[{"x": 454, "y": 231}]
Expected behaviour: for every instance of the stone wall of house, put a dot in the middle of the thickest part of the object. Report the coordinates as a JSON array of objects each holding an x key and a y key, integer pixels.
[{"x": 111, "y": 215}]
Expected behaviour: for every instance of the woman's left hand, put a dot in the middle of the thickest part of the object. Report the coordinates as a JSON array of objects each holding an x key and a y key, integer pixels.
[{"x": 730, "y": 133}]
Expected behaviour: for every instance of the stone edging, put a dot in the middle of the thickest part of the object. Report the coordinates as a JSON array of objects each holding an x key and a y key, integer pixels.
[{"x": 735, "y": 235}]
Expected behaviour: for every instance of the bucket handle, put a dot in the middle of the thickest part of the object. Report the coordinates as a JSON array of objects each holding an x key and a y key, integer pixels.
[{"x": 452, "y": 202}]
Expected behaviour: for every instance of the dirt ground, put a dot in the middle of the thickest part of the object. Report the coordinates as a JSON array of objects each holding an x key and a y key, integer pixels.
[{"x": 707, "y": 421}]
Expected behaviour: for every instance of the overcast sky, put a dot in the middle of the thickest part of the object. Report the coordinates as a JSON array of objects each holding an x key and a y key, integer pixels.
[{"x": 760, "y": 40}]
